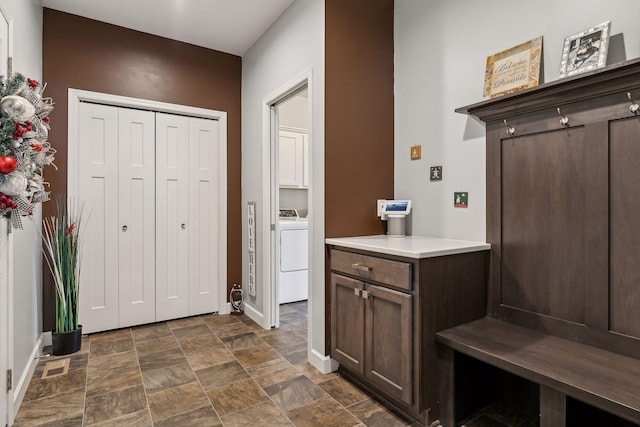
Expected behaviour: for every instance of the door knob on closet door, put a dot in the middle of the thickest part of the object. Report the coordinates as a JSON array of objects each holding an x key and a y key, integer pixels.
[
  {"x": 125, "y": 228},
  {"x": 183, "y": 226}
]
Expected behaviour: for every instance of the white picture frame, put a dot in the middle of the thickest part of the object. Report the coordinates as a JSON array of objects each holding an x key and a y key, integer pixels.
[{"x": 586, "y": 50}]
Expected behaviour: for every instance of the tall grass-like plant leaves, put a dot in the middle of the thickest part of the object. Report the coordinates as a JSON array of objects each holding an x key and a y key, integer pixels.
[{"x": 62, "y": 247}]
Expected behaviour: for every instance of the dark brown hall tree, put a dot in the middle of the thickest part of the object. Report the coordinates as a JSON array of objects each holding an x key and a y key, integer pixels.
[
  {"x": 563, "y": 207},
  {"x": 563, "y": 172}
]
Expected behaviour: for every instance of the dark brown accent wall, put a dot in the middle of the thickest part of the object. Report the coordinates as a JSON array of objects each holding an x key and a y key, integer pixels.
[
  {"x": 85, "y": 54},
  {"x": 358, "y": 114},
  {"x": 358, "y": 120}
]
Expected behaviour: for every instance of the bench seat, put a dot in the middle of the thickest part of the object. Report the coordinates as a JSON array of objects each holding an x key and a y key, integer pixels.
[{"x": 606, "y": 380}]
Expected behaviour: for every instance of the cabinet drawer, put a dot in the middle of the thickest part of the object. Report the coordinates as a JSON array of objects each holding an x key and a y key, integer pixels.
[{"x": 394, "y": 273}]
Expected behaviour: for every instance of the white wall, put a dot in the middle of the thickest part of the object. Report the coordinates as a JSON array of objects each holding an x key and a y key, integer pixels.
[
  {"x": 291, "y": 46},
  {"x": 27, "y": 267},
  {"x": 295, "y": 199},
  {"x": 441, "y": 49},
  {"x": 293, "y": 111}
]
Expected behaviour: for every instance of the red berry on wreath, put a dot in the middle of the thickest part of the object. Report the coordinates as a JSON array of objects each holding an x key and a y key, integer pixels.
[
  {"x": 37, "y": 147},
  {"x": 46, "y": 119},
  {"x": 14, "y": 205},
  {"x": 3, "y": 206}
]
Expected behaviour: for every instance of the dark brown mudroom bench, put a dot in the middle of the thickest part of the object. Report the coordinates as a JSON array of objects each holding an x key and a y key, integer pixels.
[
  {"x": 600, "y": 378},
  {"x": 560, "y": 345}
]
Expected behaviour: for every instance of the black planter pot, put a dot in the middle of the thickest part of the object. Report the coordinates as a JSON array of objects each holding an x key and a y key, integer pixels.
[{"x": 67, "y": 342}]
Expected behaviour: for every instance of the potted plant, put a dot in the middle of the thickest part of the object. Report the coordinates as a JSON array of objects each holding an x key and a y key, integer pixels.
[{"x": 62, "y": 246}]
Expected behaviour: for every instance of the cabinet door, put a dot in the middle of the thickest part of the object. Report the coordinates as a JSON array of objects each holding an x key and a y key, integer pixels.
[
  {"x": 98, "y": 188},
  {"x": 172, "y": 243},
  {"x": 347, "y": 322},
  {"x": 137, "y": 215},
  {"x": 204, "y": 207},
  {"x": 389, "y": 341},
  {"x": 305, "y": 161},
  {"x": 290, "y": 159}
]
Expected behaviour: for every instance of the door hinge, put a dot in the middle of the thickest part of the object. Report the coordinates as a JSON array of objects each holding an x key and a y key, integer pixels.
[{"x": 9, "y": 379}]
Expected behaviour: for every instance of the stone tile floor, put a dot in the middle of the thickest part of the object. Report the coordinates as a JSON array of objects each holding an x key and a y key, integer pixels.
[{"x": 210, "y": 370}]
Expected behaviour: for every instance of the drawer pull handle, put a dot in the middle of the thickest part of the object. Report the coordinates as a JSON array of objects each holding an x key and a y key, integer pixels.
[
  {"x": 356, "y": 291},
  {"x": 361, "y": 267}
]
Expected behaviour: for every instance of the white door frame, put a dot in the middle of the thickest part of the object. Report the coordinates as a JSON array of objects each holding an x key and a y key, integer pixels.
[
  {"x": 76, "y": 96},
  {"x": 271, "y": 314},
  {"x": 7, "y": 413},
  {"x": 6, "y": 311}
]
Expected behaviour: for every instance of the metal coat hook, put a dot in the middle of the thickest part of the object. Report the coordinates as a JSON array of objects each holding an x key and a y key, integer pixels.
[
  {"x": 564, "y": 121},
  {"x": 510, "y": 130},
  {"x": 634, "y": 107}
]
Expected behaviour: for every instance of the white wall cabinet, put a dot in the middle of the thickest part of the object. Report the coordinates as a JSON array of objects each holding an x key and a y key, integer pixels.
[
  {"x": 293, "y": 167},
  {"x": 151, "y": 242}
]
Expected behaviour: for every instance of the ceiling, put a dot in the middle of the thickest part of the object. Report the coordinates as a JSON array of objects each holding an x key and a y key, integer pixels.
[{"x": 231, "y": 26}]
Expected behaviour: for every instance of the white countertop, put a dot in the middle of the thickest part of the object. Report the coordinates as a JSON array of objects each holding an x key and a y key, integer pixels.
[{"x": 409, "y": 246}]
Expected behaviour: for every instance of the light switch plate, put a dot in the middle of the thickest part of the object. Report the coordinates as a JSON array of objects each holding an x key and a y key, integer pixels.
[
  {"x": 461, "y": 199},
  {"x": 416, "y": 152}
]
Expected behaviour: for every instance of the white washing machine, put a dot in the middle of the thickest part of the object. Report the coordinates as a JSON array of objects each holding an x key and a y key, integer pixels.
[{"x": 294, "y": 258}]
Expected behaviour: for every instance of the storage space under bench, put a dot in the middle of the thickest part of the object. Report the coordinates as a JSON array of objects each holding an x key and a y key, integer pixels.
[{"x": 575, "y": 384}]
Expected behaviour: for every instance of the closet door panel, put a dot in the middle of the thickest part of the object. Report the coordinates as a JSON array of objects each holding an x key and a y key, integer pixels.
[
  {"x": 203, "y": 216},
  {"x": 136, "y": 205},
  {"x": 172, "y": 240},
  {"x": 98, "y": 189}
]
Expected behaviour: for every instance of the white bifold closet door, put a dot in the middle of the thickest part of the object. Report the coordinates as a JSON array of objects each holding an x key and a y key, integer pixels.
[
  {"x": 116, "y": 171},
  {"x": 172, "y": 244},
  {"x": 187, "y": 215},
  {"x": 137, "y": 214},
  {"x": 149, "y": 181}
]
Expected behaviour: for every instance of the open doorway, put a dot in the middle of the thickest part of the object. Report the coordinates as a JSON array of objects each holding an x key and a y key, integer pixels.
[
  {"x": 291, "y": 265},
  {"x": 292, "y": 98}
]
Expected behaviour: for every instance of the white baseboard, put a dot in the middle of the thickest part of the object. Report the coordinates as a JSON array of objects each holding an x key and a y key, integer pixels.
[
  {"x": 324, "y": 364},
  {"x": 255, "y": 315},
  {"x": 22, "y": 385}
]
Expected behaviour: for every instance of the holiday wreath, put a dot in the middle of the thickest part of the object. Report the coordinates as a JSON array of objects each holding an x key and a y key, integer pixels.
[{"x": 24, "y": 150}]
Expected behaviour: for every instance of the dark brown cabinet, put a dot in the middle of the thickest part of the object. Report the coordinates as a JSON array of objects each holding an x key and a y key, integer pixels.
[
  {"x": 347, "y": 313},
  {"x": 385, "y": 310},
  {"x": 388, "y": 344},
  {"x": 370, "y": 336}
]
